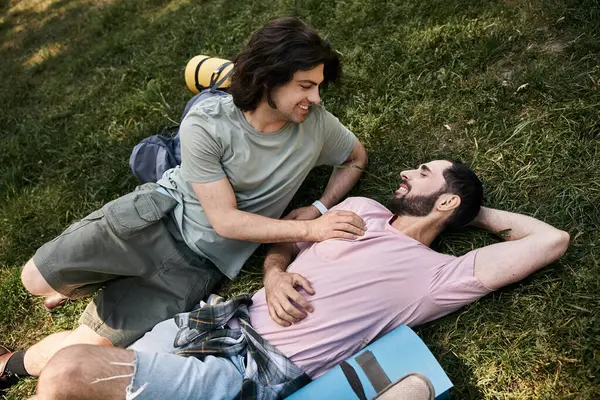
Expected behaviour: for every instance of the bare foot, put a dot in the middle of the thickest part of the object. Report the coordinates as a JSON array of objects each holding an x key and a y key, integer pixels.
[{"x": 54, "y": 300}]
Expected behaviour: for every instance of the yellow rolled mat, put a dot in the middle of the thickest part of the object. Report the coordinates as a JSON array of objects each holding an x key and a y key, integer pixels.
[{"x": 202, "y": 72}]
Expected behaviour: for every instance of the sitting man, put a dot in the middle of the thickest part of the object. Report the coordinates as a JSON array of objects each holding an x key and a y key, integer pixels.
[
  {"x": 162, "y": 248},
  {"x": 359, "y": 290}
]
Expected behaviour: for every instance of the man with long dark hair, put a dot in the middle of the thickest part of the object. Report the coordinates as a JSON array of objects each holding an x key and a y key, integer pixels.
[
  {"x": 358, "y": 289},
  {"x": 159, "y": 250}
]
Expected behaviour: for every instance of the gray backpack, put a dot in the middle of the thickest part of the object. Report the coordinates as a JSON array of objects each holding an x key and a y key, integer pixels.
[{"x": 155, "y": 154}]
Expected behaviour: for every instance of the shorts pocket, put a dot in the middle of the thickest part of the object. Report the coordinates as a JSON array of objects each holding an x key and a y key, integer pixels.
[{"x": 130, "y": 214}]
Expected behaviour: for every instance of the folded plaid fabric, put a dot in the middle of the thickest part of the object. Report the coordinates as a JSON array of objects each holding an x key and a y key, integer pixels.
[{"x": 269, "y": 374}]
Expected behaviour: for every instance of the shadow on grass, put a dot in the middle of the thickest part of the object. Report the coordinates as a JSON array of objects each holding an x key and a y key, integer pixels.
[
  {"x": 61, "y": 132},
  {"x": 460, "y": 374}
]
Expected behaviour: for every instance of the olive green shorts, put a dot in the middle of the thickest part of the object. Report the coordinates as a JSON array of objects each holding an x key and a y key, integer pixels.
[{"x": 132, "y": 248}]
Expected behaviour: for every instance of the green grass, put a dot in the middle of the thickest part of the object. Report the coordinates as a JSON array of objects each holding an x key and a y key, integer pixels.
[{"x": 512, "y": 87}]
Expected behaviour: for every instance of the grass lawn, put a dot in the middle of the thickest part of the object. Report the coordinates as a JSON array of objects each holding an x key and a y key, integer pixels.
[{"x": 511, "y": 87}]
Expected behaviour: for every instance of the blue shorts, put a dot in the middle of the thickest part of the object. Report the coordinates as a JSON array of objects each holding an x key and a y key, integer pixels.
[{"x": 159, "y": 374}]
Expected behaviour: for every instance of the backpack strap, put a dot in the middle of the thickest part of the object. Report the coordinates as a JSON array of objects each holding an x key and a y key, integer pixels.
[
  {"x": 371, "y": 367},
  {"x": 198, "y": 85},
  {"x": 353, "y": 380},
  {"x": 214, "y": 83}
]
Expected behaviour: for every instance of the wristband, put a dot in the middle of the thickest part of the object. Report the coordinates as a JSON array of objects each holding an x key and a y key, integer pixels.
[{"x": 322, "y": 209}]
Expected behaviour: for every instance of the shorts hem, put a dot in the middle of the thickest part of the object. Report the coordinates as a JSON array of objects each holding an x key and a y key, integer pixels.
[
  {"x": 52, "y": 278},
  {"x": 113, "y": 336}
]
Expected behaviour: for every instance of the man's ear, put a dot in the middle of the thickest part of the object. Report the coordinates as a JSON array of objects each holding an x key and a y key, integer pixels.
[{"x": 448, "y": 202}]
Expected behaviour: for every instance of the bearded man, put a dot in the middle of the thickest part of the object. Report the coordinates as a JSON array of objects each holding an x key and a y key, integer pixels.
[
  {"x": 322, "y": 302},
  {"x": 159, "y": 250}
]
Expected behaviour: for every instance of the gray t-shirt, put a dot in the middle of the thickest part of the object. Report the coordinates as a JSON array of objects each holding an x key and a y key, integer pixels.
[{"x": 265, "y": 170}]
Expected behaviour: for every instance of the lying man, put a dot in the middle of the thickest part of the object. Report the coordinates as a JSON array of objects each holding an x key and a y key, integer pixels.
[{"x": 359, "y": 290}]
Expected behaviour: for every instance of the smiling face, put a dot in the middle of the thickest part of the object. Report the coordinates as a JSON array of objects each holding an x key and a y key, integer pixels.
[
  {"x": 420, "y": 189},
  {"x": 293, "y": 100},
  {"x": 425, "y": 180}
]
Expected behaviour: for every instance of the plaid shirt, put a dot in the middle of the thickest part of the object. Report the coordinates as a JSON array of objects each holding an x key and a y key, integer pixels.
[{"x": 268, "y": 375}]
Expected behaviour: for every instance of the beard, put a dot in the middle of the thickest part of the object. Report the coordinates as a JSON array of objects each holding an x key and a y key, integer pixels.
[
  {"x": 289, "y": 116},
  {"x": 296, "y": 119},
  {"x": 414, "y": 206}
]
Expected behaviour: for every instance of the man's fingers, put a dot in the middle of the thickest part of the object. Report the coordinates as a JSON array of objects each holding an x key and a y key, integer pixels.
[
  {"x": 345, "y": 213},
  {"x": 301, "y": 301},
  {"x": 349, "y": 214},
  {"x": 342, "y": 235},
  {"x": 302, "y": 281},
  {"x": 275, "y": 318},
  {"x": 283, "y": 314},
  {"x": 351, "y": 218},
  {"x": 358, "y": 222},
  {"x": 348, "y": 228},
  {"x": 288, "y": 307},
  {"x": 283, "y": 300}
]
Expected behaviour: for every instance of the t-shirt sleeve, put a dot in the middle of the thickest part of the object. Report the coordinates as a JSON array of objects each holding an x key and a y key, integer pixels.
[
  {"x": 338, "y": 141},
  {"x": 201, "y": 151},
  {"x": 454, "y": 283}
]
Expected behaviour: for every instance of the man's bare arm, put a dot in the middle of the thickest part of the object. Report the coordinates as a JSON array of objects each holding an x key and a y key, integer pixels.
[
  {"x": 219, "y": 203},
  {"x": 345, "y": 177},
  {"x": 530, "y": 245},
  {"x": 280, "y": 286},
  {"x": 342, "y": 179}
]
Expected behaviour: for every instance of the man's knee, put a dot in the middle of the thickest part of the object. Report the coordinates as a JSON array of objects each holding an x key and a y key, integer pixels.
[
  {"x": 33, "y": 281},
  {"x": 83, "y": 334},
  {"x": 87, "y": 372},
  {"x": 59, "y": 379}
]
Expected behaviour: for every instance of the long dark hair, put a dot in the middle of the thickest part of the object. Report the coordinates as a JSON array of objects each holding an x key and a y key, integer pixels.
[{"x": 272, "y": 56}]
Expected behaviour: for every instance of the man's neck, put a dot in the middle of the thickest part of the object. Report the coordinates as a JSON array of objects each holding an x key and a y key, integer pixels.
[
  {"x": 264, "y": 119},
  {"x": 422, "y": 229}
]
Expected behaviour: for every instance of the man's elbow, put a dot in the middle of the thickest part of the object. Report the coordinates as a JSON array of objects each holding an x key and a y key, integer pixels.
[
  {"x": 358, "y": 158},
  {"x": 221, "y": 231},
  {"x": 559, "y": 243},
  {"x": 364, "y": 162},
  {"x": 223, "y": 228},
  {"x": 363, "y": 159},
  {"x": 563, "y": 241}
]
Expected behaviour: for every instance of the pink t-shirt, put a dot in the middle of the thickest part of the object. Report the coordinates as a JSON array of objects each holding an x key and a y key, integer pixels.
[{"x": 365, "y": 288}]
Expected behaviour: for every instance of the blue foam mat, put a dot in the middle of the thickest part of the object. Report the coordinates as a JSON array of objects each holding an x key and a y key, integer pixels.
[{"x": 400, "y": 352}]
